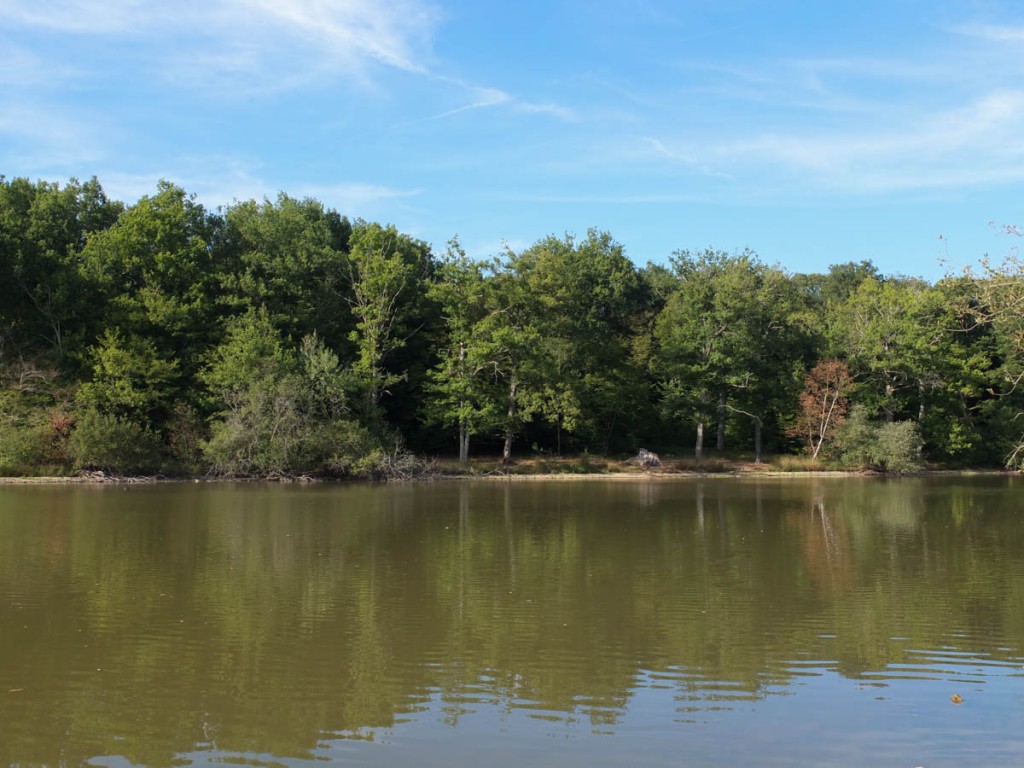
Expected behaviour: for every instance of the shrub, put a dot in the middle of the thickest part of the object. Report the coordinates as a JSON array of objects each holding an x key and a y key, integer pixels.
[
  {"x": 892, "y": 447},
  {"x": 21, "y": 448},
  {"x": 898, "y": 447},
  {"x": 113, "y": 443}
]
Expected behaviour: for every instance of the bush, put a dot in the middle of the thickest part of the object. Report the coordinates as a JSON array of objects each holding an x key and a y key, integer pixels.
[
  {"x": 22, "y": 448},
  {"x": 892, "y": 447},
  {"x": 113, "y": 444},
  {"x": 898, "y": 447}
]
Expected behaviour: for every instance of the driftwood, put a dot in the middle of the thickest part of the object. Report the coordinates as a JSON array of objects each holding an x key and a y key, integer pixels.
[{"x": 99, "y": 476}]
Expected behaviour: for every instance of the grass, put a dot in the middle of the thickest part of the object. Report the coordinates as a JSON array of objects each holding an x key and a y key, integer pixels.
[{"x": 797, "y": 464}]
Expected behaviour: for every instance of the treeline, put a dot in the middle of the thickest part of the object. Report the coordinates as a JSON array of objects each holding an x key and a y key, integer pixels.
[{"x": 279, "y": 337}]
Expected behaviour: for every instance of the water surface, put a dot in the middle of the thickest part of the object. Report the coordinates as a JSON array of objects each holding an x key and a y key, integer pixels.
[{"x": 789, "y": 622}]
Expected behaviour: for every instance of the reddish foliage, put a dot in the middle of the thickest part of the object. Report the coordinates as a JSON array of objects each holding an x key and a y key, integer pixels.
[{"x": 823, "y": 404}]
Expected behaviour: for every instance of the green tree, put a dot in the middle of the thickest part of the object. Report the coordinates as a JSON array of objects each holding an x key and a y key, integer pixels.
[
  {"x": 129, "y": 379},
  {"x": 277, "y": 411},
  {"x": 388, "y": 279},
  {"x": 511, "y": 339},
  {"x": 711, "y": 334},
  {"x": 289, "y": 257},
  {"x": 918, "y": 354},
  {"x": 765, "y": 380},
  {"x": 458, "y": 388},
  {"x": 155, "y": 276},
  {"x": 587, "y": 293},
  {"x": 44, "y": 300},
  {"x": 994, "y": 302}
]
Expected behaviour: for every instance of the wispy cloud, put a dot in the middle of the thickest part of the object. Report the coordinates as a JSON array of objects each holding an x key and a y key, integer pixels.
[
  {"x": 484, "y": 98},
  {"x": 241, "y": 47},
  {"x": 688, "y": 159},
  {"x": 396, "y": 34},
  {"x": 999, "y": 33},
  {"x": 86, "y": 16},
  {"x": 343, "y": 35},
  {"x": 219, "y": 181},
  {"x": 976, "y": 144},
  {"x": 48, "y": 138},
  {"x": 354, "y": 196},
  {"x": 651, "y": 199},
  {"x": 21, "y": 68}
]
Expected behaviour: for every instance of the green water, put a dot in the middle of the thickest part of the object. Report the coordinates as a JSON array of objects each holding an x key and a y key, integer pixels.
[{"x": 802, "y": 622}]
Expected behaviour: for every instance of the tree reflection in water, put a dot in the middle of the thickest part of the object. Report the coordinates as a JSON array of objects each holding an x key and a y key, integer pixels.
[{"x": 154, "y": 622}]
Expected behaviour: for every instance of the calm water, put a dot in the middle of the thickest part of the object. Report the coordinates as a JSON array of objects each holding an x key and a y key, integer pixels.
[{"x": 709, "y": 623}]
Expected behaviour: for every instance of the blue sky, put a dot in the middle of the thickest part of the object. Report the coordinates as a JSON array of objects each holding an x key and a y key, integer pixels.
[{"x": 810, "y": 132}]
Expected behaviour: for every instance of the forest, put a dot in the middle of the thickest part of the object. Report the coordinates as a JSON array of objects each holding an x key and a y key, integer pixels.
[{"x": 279, "y": 338}]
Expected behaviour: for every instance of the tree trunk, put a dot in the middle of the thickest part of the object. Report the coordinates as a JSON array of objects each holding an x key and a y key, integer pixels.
[
  {"x": 698, "y": 451},
  {"x": 506, "y": 454},
  {"x": 757, "y": 440},
  {"x": 720, "y": 442},
  {"x": 889, "y": 407},
  {"x": 463, "y": 422},
  {"x": 463, "y": 442}
]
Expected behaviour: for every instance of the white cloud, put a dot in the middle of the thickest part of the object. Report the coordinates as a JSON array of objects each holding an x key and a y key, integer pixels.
[
  {"x": 221, "y": 181},
  {"x": 85, "y": 16},
  {"x": 40, "y": 138},
  {"x": 999, "y": 33},
  {"x": 242, "y": 47},
  {"x": 688, "y": 159},
  {"x": 354, "y": 197},
  {"x": 484, "y": 98},
  {"x": 249, "y": 35},
  {"x": 392, "y": 33},
  {"x": 652, "y": 199},
  {"x": 976, "y": 144},
  {"x": 545, "y": 108},
  {"x": 980, "y": 143},
  {"x": 24, "y": 69}
]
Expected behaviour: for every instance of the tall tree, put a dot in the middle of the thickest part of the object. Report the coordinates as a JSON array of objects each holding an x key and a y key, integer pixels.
[
  {"x": 707, "y": 333},
  {"x": 823, "y": 404},
  {"x": 388, "y": 274},
  {"x": 775, "y": 342},
  {"x": 154, "y": 273},
  {"x": 587, "y": 292},
  {"x": 43, "y": 227},
  {"x": 459, "y": 393},
  {"x": 289, "y": 257}
]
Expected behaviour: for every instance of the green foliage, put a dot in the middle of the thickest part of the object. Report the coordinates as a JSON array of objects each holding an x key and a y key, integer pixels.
[
  {"x": 113, "y": 443},
  {"x": 154, "y": 274},
  {"x": 277, "y": 338},
  {"x": 129, "y": 378},
  {"x": 22, "y": 447},
  {"x": 279, "y": 413},
  {"x": 44, "y": 298},
  {"x": 727, "y": 340},
  {"x": 889, "y": 446},
  {"x": 460, "y": 386},
  {"x": 388, "y": 273},
  {"x": 289, "y": 259}
]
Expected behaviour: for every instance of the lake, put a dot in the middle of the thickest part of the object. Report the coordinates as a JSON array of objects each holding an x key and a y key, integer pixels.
[{"x": 701, "y": 622}]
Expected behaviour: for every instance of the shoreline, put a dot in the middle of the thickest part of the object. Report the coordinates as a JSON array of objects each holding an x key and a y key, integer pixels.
[{"x": 641, "y": 475}]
